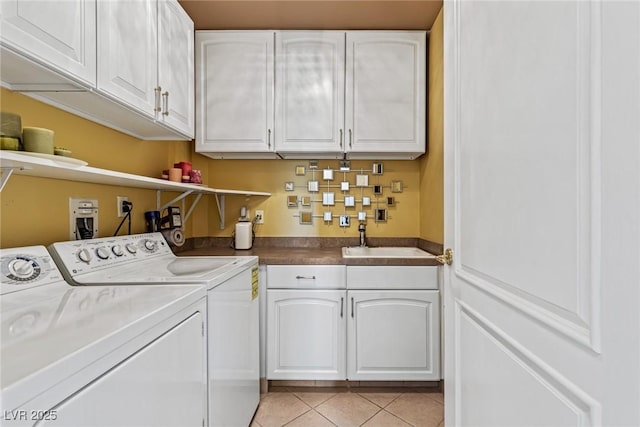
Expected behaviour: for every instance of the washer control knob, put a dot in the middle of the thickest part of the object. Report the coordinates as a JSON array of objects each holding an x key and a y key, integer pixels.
[
  {"x": 84, "y": 255},
  {"x": 131, "y": 248},
  {"x": 150, "y": 245},
  {"x": 21, "y": 268},
  {"x": 117, "y": 250},
  {"x": 102, "y": 253}
]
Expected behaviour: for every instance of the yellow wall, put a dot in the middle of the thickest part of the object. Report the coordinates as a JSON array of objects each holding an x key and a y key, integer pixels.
[
  {"x": 36, "y": 210},
  {"x": 271, "y": 175},
  {"x": 431, "y": 165}
]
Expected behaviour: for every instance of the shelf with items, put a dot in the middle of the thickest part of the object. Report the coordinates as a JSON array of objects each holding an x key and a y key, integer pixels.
[{"x": 62, "y": 168}]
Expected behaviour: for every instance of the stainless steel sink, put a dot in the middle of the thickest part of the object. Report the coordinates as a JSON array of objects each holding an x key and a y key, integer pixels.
[{"x": 384, "y": 252}]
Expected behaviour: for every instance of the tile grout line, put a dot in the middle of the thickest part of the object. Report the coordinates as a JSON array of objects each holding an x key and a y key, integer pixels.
[
  {"x": 320, "y": 413},
  {"x": 376, "y": 413}
]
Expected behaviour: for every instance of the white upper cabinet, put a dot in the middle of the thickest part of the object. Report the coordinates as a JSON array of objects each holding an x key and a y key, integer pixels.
[
  {"x": 359, "y": 93},
  {"x": 128, "y": 53},
  {"x": 59, "y": 36},
  {"x": 310, "y": 93},
  {"x": 175, "y": 66},
  {"x": 125, "y": 64},
  {"x": 385, "y": 97},
  {"x": 234, "y": 86}
]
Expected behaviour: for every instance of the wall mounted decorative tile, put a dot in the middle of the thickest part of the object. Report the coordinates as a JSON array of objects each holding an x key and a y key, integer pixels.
[{"x": 358, "y": 184}]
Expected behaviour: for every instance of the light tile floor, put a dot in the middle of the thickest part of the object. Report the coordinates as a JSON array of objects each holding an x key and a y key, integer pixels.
[{"x": 319, "y": 407}]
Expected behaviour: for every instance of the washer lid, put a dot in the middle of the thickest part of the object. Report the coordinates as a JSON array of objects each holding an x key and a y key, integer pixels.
[{"x": 68, "y": 328}]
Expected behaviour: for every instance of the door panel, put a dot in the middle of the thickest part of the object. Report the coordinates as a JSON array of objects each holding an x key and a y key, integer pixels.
[
  {"x": 60, "y": 34},
  {"x": 543, "y": 213},
  {"x": 393, "y": 335},
  {"x": 306, "y": 335},
  {"x": 128, "y": 52},
  {"x": 235, "y": 91},
  {"x": 385, "y": 92},
  {"x": 310, "y": 91},
  {"x": 175, "y": 66}
]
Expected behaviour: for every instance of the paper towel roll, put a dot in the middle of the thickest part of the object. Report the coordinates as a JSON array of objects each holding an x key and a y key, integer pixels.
[{"x": 38, "y": 140}]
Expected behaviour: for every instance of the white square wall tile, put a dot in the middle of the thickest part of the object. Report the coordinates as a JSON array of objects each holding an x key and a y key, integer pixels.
[
  {"x": 328, "y": 199},
  {"x": 362, "y": 180},
  {"x": 327, "y": 174},
  {"x": 344, "y": 186},
  {"x": 349, "y": 201}
]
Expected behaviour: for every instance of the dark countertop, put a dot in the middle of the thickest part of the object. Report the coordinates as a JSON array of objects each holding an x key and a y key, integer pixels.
[{"x": 293, "y": 251}]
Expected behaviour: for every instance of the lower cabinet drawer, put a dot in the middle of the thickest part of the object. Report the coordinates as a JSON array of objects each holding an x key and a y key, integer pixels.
[
  {"x": 392, "y": 277},
  {"x": 306, "y": 276}
]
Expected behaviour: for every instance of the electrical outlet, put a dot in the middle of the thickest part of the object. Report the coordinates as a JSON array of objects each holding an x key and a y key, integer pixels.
[
  {"x": 119, "y": 205},
  {"x": 259, "y": 216}
]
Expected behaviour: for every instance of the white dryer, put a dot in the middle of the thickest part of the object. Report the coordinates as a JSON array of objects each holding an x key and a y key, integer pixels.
[
  {"x": 232, "y": 307},
  {"x": 100, "y": 356}
]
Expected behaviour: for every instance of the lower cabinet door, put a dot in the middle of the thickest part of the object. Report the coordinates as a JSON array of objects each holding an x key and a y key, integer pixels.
[
  {"x": 393, "y": 335},
  {"x": 306, "y": 334}
]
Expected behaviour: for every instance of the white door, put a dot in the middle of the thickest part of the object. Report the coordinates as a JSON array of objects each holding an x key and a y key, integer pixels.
[
  {"x": 542, "y": 182},
  {"x": 175, "y": 66},
  {"x": 386, "y": 93},
  {"x": 60, "y": 34},
  {"x": 234, "y": 91},
  {"x": 393, "y": 335},
  {"x": 306, "y": 335},
  {"x": 310, "y": 92},
  {"x": 128, "y": 52}
]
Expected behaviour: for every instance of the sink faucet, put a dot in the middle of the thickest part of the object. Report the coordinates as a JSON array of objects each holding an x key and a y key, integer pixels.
[{"x": 362, "y": 228}]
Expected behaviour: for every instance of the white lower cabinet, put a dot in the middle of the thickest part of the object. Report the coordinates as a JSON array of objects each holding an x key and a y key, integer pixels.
[
  {"x": 393, "y": 335},
  {"x": 306, "y": 334},
  {"x": 357, "y": 334}
]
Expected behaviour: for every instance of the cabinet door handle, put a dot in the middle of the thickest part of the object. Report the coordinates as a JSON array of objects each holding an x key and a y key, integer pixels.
[
  {"x": 269, "y": 138},
  {"x": 165, "y": 103},
  {"x": 306, "y": 277},
  {"x": 157, "y": 99},
  {"x": 350, "y": 138},
  {"x": 352, "y": 307},
  {"x": 340, "y": 138},
  {"x": 341, "y": 306}
]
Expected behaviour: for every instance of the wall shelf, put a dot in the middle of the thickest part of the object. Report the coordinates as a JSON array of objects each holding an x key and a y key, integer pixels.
[{"x": 12, "y": 162}]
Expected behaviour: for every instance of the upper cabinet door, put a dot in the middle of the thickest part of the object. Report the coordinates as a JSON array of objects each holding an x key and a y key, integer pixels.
[
  {"x": 310, "y": 92},
  {"x": 234, "y": 93},
  {"x": 128, "y": 53},
  {"x": 60, "y": 35},
  {"x": 175, "y": 66},
  {"x": 386, "y": 93}
]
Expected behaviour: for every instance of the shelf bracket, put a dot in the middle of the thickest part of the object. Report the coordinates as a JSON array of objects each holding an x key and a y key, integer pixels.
[
  {"x": 192, "y": 207},
  {"x": 220, "y": 203},
  {"x": 172, "y": 201},
  {"x": 5, "y": 174}
]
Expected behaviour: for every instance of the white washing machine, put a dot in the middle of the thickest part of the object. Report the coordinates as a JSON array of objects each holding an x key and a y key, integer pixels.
[
  {"x": 232, "y": 307},
  {"x": 99, "y": 356}
]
